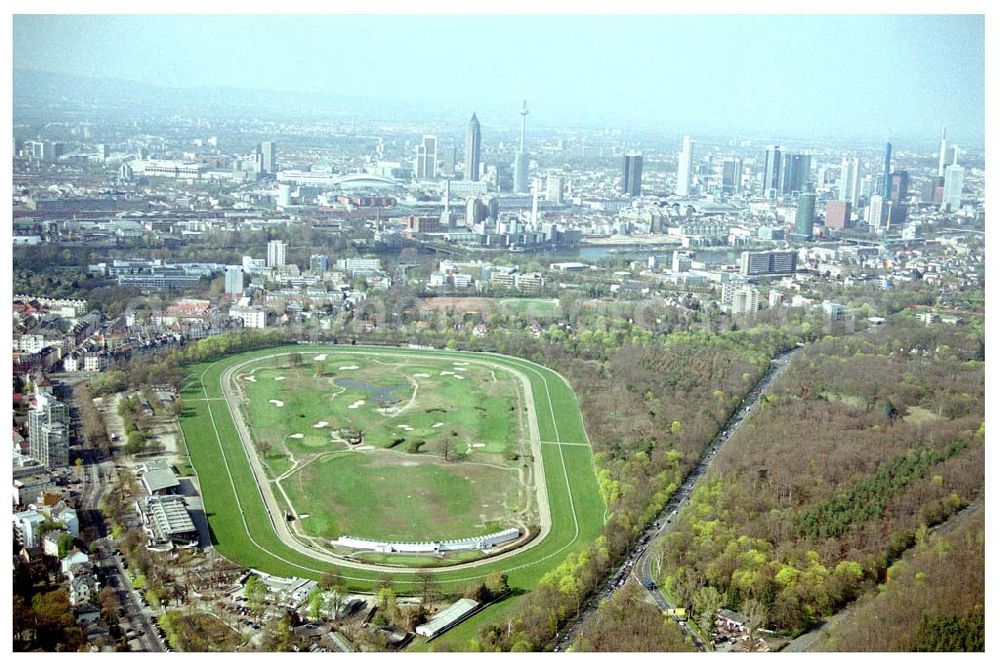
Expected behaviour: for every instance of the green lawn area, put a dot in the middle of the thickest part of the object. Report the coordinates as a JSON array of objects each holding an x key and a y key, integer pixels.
[
  {"x": 532, "y": 307},
  {"x": 240, "y": 525},
  {"x": 389, "y": 495}
]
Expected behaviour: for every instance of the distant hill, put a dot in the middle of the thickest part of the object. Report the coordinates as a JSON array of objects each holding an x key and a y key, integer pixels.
[{"x": 36, "y": 91}]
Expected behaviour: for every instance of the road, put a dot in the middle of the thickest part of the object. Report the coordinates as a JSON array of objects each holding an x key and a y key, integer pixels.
[{"x": 640, "y": 563}]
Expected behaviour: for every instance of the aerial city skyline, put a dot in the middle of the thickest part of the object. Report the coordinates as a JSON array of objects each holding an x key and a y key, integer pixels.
[{"x": 637, "y": 334}]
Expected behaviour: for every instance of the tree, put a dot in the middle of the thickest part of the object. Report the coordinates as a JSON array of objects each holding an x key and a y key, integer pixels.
[
  {"x": 756, "y": 615},
  {"x": 428, "y": 590},
  {"x": 256, "y": 592},
  {"x": 707, "y": 601}
]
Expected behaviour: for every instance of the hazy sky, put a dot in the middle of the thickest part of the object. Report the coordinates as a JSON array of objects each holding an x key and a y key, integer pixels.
[{"x": 807, "y": 74}]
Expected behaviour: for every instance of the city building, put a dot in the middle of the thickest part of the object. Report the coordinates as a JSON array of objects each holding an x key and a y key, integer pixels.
[
  {"x": 772, "y": 172},
  {"x": 942, "y": 150},
  {"x": 794, "y": 174},
  {"x": 732, "y": 176},
  {"x": 275, "y": 253},
  {"x": 267, "y": 157},
  {"x": 877, "y": 210},
  {"x": 473, "y": 143},
  {"x": 632, "y": 176},
  {"x": 850, "y": 181},
  {"x": 319, "y": 263},
  {"x": 684, "y": 162},
  {"x": 805, "y": 215},
  {"x": 425, "y": 165},
  {"x": 234, "y": 282},
  {"x": 886, "y": 178},
  {"x": 554, "y": 188},
  {"x": 48, "y": 431},
  {"x": 838, "y": 214},
  {"x": 778, "y": 262},
  {"x": 899, "y": 186},
  {"x": 951, "y": 196}
]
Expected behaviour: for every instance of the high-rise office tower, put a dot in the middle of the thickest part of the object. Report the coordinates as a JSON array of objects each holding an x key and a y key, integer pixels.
[
  {"x": 886, "y": 181},
  {"x": 473, "y": 141},
  {"x": 794, "y": 174},
  {"x": 268, "y": 157},
  {"x": 275, "y": 253},
  {"x": 48, "y": 431},
  {"x": 234, "y": 282},
  {"x": 632, "y": 176},
  {"x": 732, "y": 176},
  {"x": 554, "y": 188},
  {"x": 684, "y": 160},
  {"x": 805, "y": 215},
  {"x": 838, "y": 214},
  {"x": 850, "y": 180},
  {"x": 772, "y": 171},
  {"x": 943, "y": 149},
  {"x": 952, "y": 194},
  {"x": 877, "y": 210},
  {"x": 425, "y": 167},
  {"x": 521, "y": 160},
  {"x": 899, "y": 186}
]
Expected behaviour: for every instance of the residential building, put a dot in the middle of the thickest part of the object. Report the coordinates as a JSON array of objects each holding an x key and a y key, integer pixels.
[
  {"x": 779, "y": 262},
  {"x": 275, "y": 253},
  {"x": 838, "y": 214},
  {"x": 234, "y": 282},
  {"x": 48, "y": 431}
]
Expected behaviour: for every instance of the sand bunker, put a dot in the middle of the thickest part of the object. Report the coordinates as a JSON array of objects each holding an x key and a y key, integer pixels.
[
  {"x": 249, "y": 378},
  {"x": 319, "y": 357},
  {"x": 356, "y": 404},
  {"x": 277, "y": 403},
  {"x": 297, "y": 435},
  {"x": 421, "y": 374},
  {"x": 461, "y": 363},
  {"x": 478, "y": 445},
  {"x": 459, "y": 377},
  {"x": 321, "y": 424},
  {"x": 364, "y": 448},
  {"x": 447, "y": 372},
  {"x": 348, "y": 367},
  {"x": 410, "y": 464},
  {"x": 438, "y": 424},
  {"x": 279, "y": 379},
  {"x": 405, "y": 427}
]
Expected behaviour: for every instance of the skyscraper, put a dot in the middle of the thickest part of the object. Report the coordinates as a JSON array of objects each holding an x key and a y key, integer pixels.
[
  {"x": 794, "y": 174},
  {"x": 554, "y": 188},
  {"x": 275, "y": 253},
  {"x": 473, "y": 140},
  {"x": 805, "y": 215},
  {"x": 942, "y": 151},
  {"x": 850, "y": 180},
  {"x": 877, "y": 211},
  {"x": 952, "y": 195},
  {"x": 268, "y": 157},
  {"x": 425, "y": 167},
  {"x": 632, "y": 176},
  {"x": 886, "y": 181},
  {"x": 684, "y": 160},
  {"x": 48, "y": 431},
  {"x": 899, "y": 186},
  {"x": 772, "y": 171},
  {"x": 521, "y": 160},
  {"x": 732, "y": 176}
]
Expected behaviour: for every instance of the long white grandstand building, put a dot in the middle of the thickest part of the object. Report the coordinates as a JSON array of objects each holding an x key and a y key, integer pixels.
[{"x": 473, "y": 543}]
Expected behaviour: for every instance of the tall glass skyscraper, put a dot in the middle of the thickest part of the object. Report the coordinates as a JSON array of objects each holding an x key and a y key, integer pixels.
[
  {"x": 632, "y": 176},
  {"x": 473, "y": 141}
]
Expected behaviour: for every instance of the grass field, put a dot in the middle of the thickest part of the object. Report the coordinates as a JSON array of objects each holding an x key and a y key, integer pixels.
[
  {"x": 532, "y": 307},
  {"x": 240, "y": 523},
  {"x": 391, "y": 448},
  {"x": 384, "y": 495}
]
